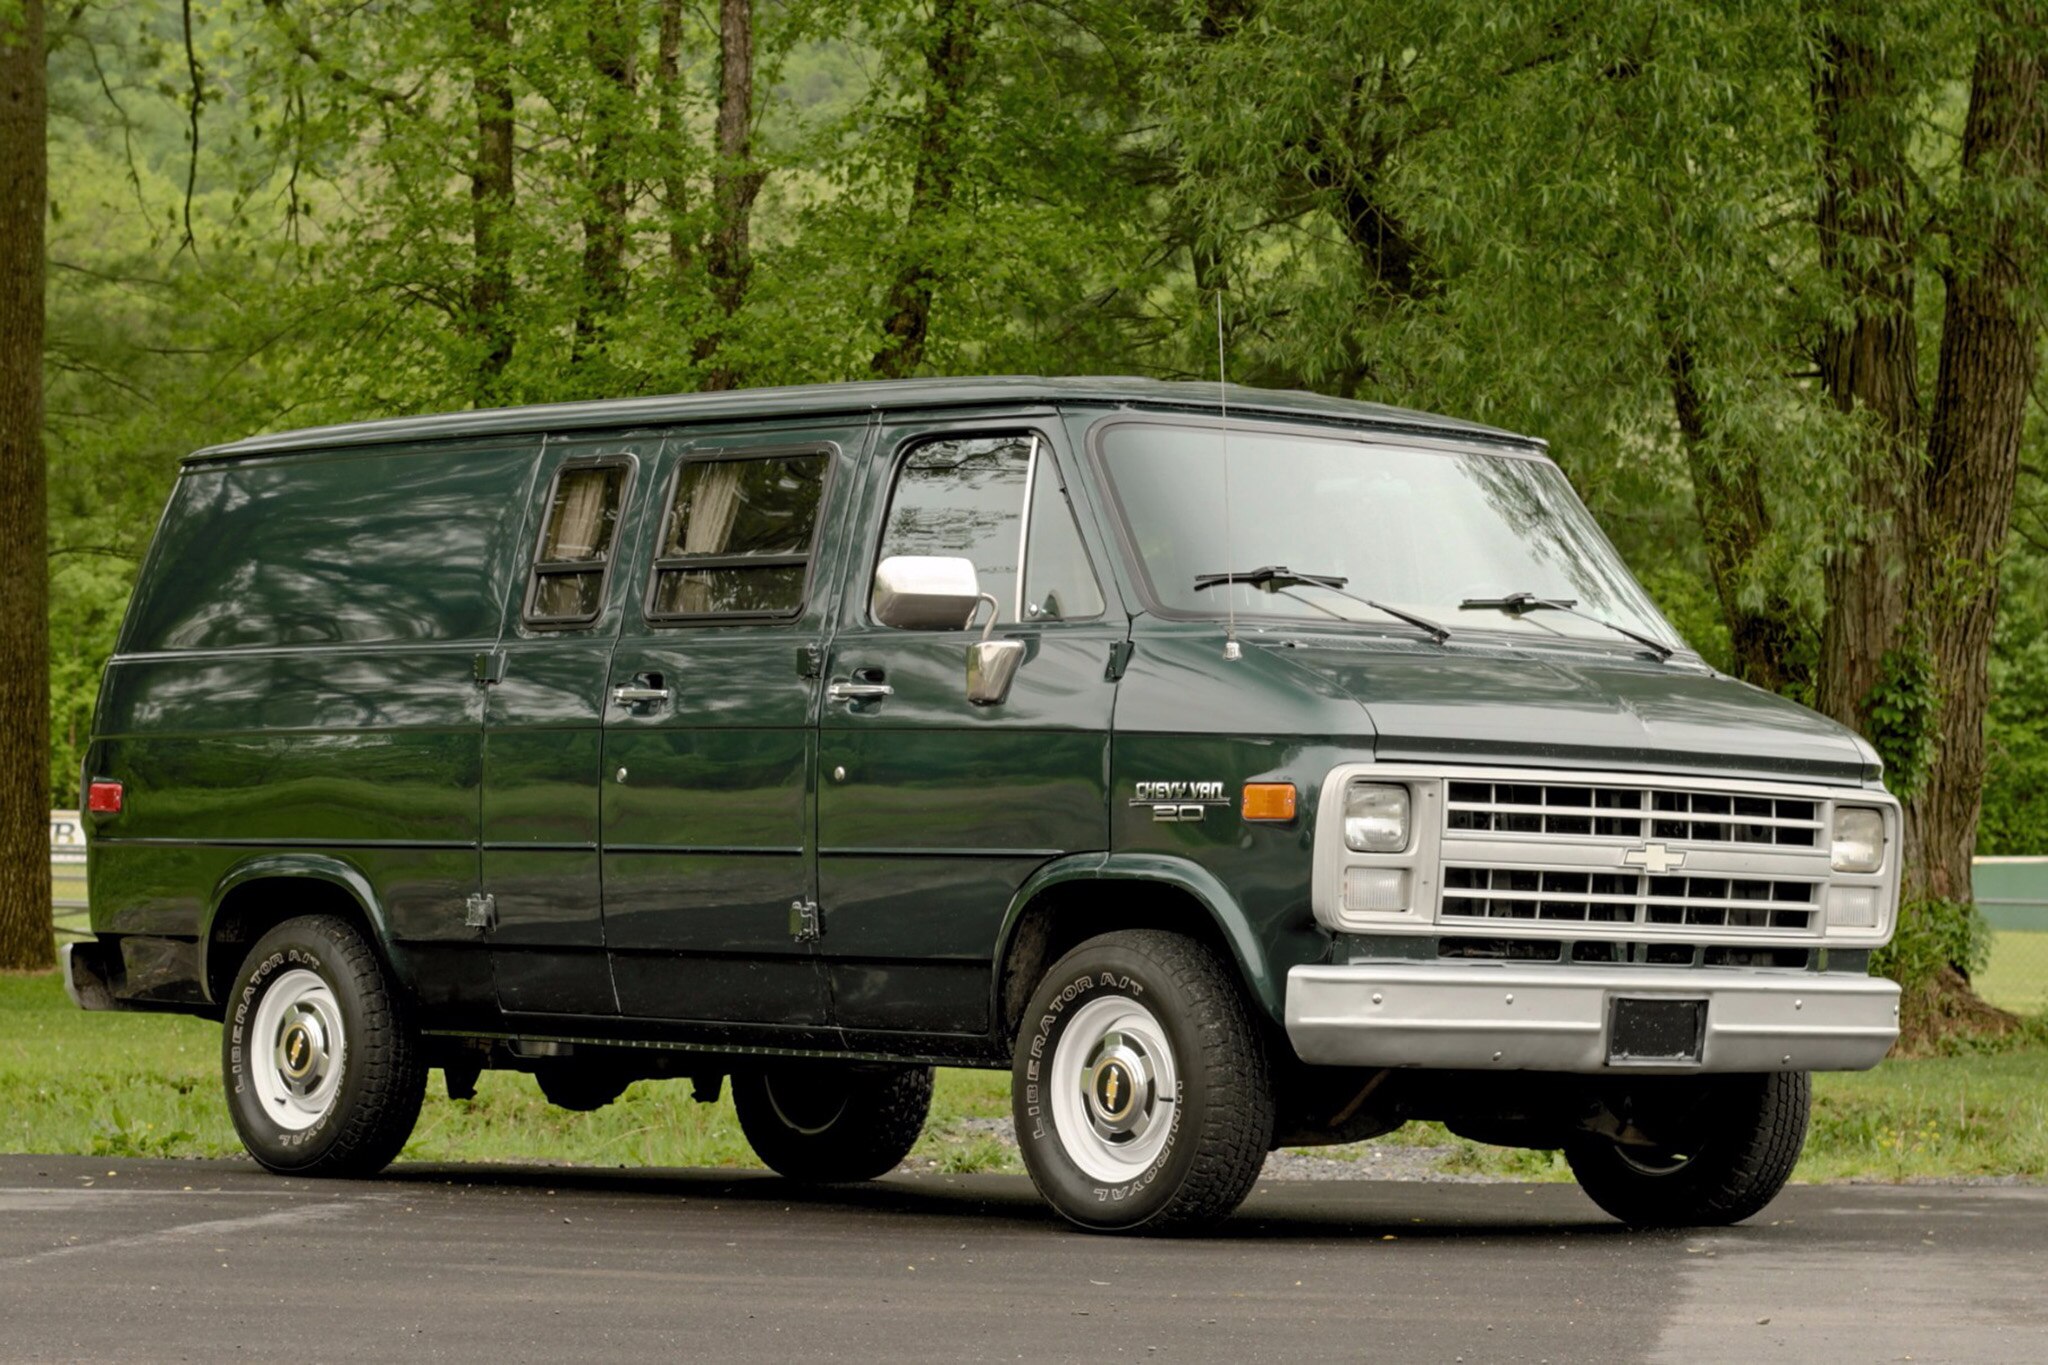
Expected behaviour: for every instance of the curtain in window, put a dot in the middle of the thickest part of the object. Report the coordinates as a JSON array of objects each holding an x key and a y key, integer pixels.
[
  {"x": 581, "y": 531},
  {"x": 713, "y": 509}
]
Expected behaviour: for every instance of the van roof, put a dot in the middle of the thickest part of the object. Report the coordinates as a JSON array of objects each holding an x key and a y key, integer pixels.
[{"x": 870, "y": 396}]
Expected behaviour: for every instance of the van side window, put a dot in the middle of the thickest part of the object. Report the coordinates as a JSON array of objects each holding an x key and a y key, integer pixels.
[
  {"x": 738, "y": 536},
  {"x": 576, "y": 545},
  {"x": 967, "y": 499}
]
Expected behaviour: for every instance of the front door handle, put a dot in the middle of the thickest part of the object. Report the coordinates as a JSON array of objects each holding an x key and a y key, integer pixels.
[{"x": 858, "y": 691}]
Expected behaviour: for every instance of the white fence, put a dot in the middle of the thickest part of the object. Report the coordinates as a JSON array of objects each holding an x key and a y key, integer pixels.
[{"x": 67, "y": 861}]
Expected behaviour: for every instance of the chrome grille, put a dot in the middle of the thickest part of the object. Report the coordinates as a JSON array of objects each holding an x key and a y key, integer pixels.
[
  {"x": 1628, "y": 898},
  {"x": 1600, "y": 811}
]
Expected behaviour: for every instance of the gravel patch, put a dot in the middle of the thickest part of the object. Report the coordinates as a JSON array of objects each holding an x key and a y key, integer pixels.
[{"x": 1354, "y": 1161}]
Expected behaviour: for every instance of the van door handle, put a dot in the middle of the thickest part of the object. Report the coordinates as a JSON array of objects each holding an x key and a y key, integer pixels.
[
  {"x": 645, "y": 690},
  {"x": 635, "y": 696},
  {"x": 858, "y": 691}
]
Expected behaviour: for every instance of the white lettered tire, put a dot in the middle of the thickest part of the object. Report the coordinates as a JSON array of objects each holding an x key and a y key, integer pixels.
[
  {"x": 322, "y": 1065},
  {"x": 1141, "y": 1088}
]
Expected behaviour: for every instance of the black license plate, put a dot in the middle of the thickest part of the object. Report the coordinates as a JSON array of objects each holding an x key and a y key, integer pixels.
[{"x": 1642, "y": 1031}]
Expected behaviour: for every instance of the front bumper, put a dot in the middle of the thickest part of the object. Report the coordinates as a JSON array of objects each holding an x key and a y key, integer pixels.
[{"x": 1487, "y": 1016}]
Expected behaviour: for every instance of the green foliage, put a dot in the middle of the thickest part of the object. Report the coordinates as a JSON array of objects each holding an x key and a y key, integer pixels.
[
  {"x": 2015, "y": 819},
  {"x": 1523, "y": 212},
  {"x": 1932, "y": 935},
  {"x": 1904, "y": 706},
  {"x": 1688, "y": 602}
]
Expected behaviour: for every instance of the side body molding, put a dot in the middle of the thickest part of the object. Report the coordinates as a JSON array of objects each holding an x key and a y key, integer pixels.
[
  {"x": 304, "y": 866},
  {"x": 1267, "y": 986}
]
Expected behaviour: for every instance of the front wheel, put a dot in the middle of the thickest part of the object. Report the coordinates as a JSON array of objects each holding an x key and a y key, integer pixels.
[
  {"x": 1141, "y": 1088},
  {"x": 322, "y": 1063},
  {"x": 831, "y": 1122},
  {"x": 1700, "y": 1153}
]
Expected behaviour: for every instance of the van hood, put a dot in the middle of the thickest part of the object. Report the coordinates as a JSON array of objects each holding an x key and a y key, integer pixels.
[{"x": 1525, "y": 706}]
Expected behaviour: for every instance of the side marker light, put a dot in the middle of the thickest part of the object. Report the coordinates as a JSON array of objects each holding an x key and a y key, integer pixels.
[{"x": 1269, "y": 800}]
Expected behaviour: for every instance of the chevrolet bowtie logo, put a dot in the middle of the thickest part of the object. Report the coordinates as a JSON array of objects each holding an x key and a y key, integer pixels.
[{"x": 1654, "y": 859}]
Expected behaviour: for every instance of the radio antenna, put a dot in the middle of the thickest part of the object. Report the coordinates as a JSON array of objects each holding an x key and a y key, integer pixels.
[{"x": 1231, "y": 652}]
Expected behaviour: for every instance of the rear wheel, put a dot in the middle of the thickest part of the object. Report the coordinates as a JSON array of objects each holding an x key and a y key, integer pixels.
[
  {"x": 832, "y": 1121},
  {"x": 1701, "y": 1153},
  {"x": 1141, "y": 1088},
  {"x": 322, "y": 1064}
]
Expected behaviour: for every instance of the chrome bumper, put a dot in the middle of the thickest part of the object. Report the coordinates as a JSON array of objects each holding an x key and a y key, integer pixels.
[{"x": 1487, "y": 1016}]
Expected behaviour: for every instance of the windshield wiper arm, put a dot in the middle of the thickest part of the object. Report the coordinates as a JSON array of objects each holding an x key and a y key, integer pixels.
[
  {"x": 1522, "y": 603},
  {"x": 1275, "y": 578}
]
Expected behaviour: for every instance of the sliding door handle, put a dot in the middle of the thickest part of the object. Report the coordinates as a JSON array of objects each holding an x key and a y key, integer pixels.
[
  {"x": 645, "y": 690},
  {"x": 858, "y": 691}
]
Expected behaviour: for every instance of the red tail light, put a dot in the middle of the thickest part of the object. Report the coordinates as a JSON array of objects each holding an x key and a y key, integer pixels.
[{"x": 103, "y": 798}]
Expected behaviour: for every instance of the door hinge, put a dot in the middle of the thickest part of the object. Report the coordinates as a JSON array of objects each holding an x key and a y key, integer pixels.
[
  {"x": 480, "y": 911},
  {"x": 804, "y": 923},
  {"x": 810, "y": 661},
  {"x": 489, "y": 669},
  {"x": 1119, "y": 659}
]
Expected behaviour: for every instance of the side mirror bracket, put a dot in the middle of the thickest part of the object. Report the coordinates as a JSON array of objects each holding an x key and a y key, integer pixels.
[{"x": 991, "y": 664}]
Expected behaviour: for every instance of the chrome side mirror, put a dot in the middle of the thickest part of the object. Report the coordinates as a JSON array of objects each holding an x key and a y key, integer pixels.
[
  {"x": 926, "y": 592},
  {"x": 992, "y": 664}
]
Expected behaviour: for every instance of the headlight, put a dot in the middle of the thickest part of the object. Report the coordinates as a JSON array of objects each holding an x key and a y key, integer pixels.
[
  {"x": 1859, "y": 839},
  {"x": 1376, "y": 817}
]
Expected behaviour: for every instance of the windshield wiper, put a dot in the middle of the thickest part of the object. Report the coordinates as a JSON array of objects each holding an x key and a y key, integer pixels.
[
  {"x": 1277, "y": 578},
  {"x": 1522, "y": 603}
]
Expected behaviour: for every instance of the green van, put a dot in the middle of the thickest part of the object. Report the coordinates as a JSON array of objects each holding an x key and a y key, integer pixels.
[{"x": 1238, "y": 768}]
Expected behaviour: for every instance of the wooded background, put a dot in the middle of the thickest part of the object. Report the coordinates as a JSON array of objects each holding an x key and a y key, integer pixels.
[{"x": 1768, "y": 276}]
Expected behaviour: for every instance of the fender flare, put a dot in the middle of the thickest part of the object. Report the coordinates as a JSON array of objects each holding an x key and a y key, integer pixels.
[
  {"x": 1247, "y": 953},
  {"x": 304, "y": 866}
]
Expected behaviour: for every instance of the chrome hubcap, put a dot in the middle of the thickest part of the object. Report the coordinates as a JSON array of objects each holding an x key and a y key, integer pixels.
[
  {"x": 1114, "y": 1085},
  {"x": 1119, "y": 1088},
  {"x": 297, "y": 1049}
]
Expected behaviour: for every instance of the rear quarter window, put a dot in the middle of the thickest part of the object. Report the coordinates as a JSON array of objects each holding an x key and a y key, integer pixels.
[{"x": 358, "y": 549}]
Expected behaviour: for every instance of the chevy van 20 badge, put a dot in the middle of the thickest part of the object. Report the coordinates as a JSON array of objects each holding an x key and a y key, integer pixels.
[{"x": 1270, "y": 773}]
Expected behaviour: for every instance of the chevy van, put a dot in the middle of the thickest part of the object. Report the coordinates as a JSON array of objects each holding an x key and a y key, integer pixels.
[{"x": 1239, "y": 769}]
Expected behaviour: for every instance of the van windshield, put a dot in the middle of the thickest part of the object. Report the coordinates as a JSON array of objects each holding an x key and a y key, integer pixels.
[{"x": 1425, "y": 531}]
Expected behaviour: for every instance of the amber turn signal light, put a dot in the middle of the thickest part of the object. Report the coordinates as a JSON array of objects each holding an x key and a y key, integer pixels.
[
  {"x": 103, "y": 798},
  {"x": 1269, "y": 800}
]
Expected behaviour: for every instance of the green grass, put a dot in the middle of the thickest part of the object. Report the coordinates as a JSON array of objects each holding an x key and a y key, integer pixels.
[
  {"x": 149, "y": 1085},
  {"x": 2016, "y": 977}
]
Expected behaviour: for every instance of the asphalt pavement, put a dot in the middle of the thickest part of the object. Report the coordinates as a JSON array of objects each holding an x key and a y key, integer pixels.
[{"x": 185, "y": 1260}]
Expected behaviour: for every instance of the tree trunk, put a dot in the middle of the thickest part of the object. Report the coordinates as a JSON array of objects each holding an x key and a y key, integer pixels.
[
  {"x": 614, "y": 44},
  {"x": 1988, "y": 358},
  {"x": 490, "y": 195},
  {"x": 728, "y": 259},
  {"x": 1735, "y": 522},
  {"x": 675, "y": 182},
  {"x": 1869, "y": 362},
  {"x": 26, "y": 940},
  {"x": 1349, "y": 150},
  {"x": 907, "y": 311},
  {"x": 1912, "y": 597}
]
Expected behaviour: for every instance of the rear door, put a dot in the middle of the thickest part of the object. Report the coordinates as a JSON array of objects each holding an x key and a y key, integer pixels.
[
  {"x": 932, "y": 811},
  {"x": 543, "y": 728},
  {"x": 710, "y": 739}
]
